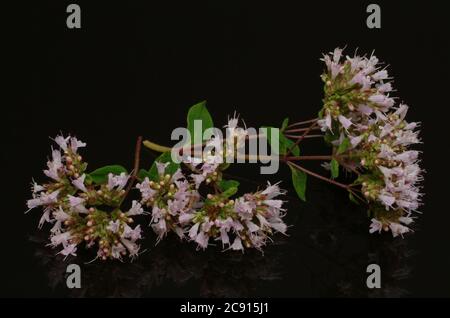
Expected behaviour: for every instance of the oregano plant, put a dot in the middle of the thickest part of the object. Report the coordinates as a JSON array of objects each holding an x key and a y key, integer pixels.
[{"x": 184, "y": 190}]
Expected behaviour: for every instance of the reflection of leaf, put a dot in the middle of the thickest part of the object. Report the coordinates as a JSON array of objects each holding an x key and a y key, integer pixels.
[
  {"x": 334, "y": 168},
  {"x": 299, "y": 182},
  {"x": 163, "y": 158},
  {"x": 100, "y": 175},
  {"x": 199, "y": 112}
]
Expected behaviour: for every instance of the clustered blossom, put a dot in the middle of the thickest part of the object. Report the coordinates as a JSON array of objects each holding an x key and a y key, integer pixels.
[
  {"x": 362, "y": 120},
  {"x": 71, "y": 203},
  {"x": 177, "y": 204}
]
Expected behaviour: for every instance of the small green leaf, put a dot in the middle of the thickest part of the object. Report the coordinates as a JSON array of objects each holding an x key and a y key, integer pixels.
[
  {"x": 284, "y": 124},
  {"x": 352, "y": 198},
  {"x": 299, "y": 182},
  {"x": 163, "y": 158},
  {"x": 224, "y": 185},
  {"x": 345, "y": 144},
  {"x": 320, "y": 114},
  {"x": 199, "y": 112},
  {"x": 334, "y": 169},
  {"x": 229, "y": 192},
  {"x": 100, "y": 175}
]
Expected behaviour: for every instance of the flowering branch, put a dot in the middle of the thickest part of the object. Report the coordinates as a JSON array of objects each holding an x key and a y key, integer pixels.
[{"x": 367, "y": 133}]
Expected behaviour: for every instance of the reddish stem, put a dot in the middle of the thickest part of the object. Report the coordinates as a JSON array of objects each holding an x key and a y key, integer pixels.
[
  {"x": 344, "y": 186},
  {"x": 137, "y": 157}
]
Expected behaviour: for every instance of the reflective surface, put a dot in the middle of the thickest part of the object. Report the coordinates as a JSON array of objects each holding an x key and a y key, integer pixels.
[{"x": 325, "y": 254}]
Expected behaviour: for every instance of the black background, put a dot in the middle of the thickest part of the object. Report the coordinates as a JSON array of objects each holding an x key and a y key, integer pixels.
[{"x": 134, "y": 68}]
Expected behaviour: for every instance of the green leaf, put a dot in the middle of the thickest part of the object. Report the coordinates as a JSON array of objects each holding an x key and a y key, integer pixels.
[
  {"x": 199, "y": 112},
  {"x": 163, "y": 158},
  {"x": 299, "y": 182},
  {"x": 284, "y": 124},
  {"x": 100, "y": 175},
  {"x": 345, "y": 144},
  {"x": 229, "y": 192},
  {"x": 352, "y": 198},
  {"x": 224, "y": 185},
  {"x": 334, "y": 169},
  {"x": 320, "y": 114},
  {"x": 284, "y": 143}
]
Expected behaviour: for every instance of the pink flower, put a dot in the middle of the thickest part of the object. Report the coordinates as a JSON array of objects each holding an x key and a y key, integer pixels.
[
  {"x": 79, "y": 183},
  {"x": 237, "y": 245},
  {"x": 375, "y": 226}
]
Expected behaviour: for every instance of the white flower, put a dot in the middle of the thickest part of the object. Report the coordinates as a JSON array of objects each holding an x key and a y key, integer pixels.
[
  {"x": 202, "y": 239},
  {"x": 136, "y": 209},
  {"x": 113, "y": 226},
  {"x": 69, "y": 249},
  {"x": 62, "y": 238},
  {"x": 272, "y": 190},
  {"x": 161, "y": 167},
  {"x": 79, "y": 183},
  {"x": 132, "y": 247},
  {"x": 194, "y": 230},
  {"x": 356, "y": 140},
  {"x": 117, "y": 182},
  {"x": 382, "y": 100},
  {"x": 237, "y": 245},
  {"x": 117, "y": 251},
  {"x": 133, "y": 234},
  {"x": 60, "y": 215},
  {"x": 375, "y": 226},
  {"x": 62, "y": 142},
  {"x": 75, "y": 144},
  {"x": 380, "y": 75},
  {"x": 54, "y": 166},
  {"x": 75, "y": 201},
  {"x": 398, "y": 229},
  {"x": 37, "y": 188},
  {"x": 147, "y": 193},
  {"x": 278, "y": 225}
]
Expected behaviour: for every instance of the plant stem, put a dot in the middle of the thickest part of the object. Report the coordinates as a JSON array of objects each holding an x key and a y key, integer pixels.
[
  {"x": 305, "y": 137},
  {"x": 320, "y": 157},
  {"x": 156, "y": 147},
  {"x": 302, "y": 122},
  {"x": 299, "y": 130},
  {"x": 301, "y": 138},
  {"x": 137, "y": 157},
  {"x": 344, "y": 186}
]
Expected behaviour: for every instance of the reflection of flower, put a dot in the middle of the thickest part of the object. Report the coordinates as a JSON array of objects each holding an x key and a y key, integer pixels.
[{"x": 215, "y": 274}]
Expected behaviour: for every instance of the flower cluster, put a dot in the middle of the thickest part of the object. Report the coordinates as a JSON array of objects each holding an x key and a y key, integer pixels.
[
  {"x": 72, "y": 202},
  {"x": 177, "y": 204},
  {"x": 371, "y": 136}
]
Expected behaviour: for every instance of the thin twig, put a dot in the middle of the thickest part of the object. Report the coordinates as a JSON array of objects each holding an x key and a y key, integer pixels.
[
  {"x": 320, "y": 157},
  {"x": 299, "y": 130},
  {"x": 305, "y": 137},
  {"x": 137, "y": 157},
  {"x": 302, "y": 122},
  {"x": 300, "y": 139},
  {"x": 344, "y": 186}
]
